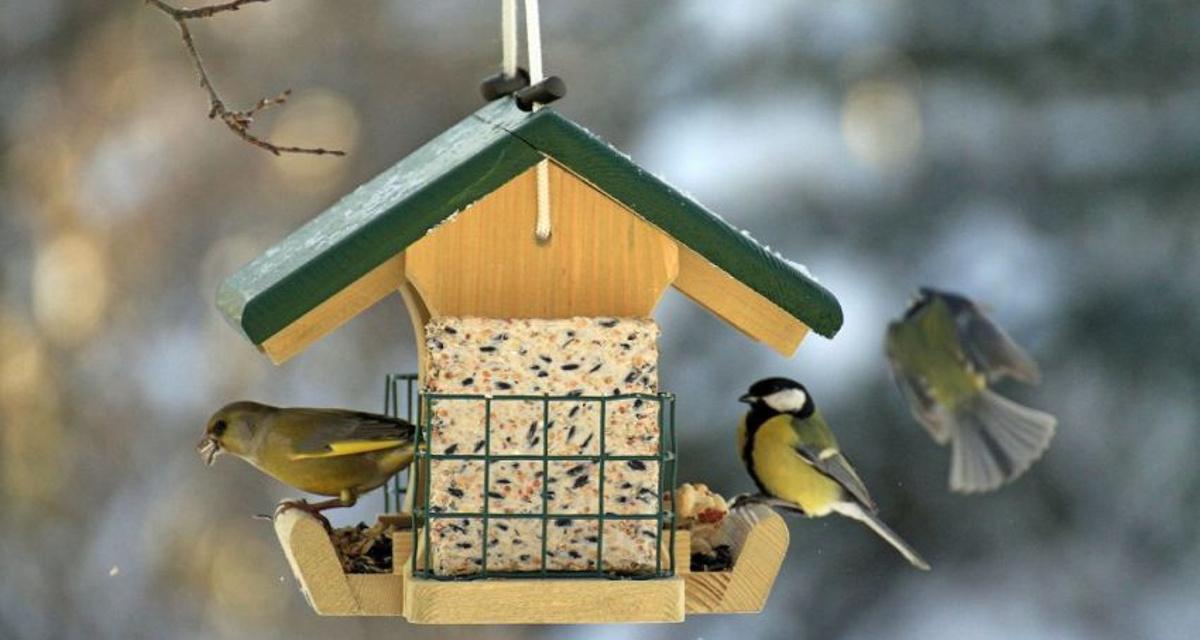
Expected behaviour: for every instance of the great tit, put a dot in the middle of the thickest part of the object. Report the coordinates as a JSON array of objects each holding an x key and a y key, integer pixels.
[
  {"x": 331, "y": 452},
  {"x": 943, "y": 354},
  {"x": 794, "y": 459}
]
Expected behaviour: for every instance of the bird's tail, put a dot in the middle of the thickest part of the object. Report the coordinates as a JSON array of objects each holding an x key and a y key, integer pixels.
[
  {"x": 857, "y": 512},
  {"x": 995, "y": 441}
]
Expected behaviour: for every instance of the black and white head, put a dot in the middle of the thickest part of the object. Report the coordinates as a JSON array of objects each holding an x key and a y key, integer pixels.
[{"x": 778, "y": 395}]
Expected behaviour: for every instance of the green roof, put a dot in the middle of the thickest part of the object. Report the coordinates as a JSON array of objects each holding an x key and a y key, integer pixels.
[{"x": 468, "y": 161}]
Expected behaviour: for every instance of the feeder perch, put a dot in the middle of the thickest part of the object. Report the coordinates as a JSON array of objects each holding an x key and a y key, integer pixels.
[{"x": 544, "y": 445}]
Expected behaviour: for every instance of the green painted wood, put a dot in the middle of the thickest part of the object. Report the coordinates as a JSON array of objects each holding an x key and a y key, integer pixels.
[
  {"x": 471, "y": 159},
  {"x": 681, "y": 217},
  {"x": 372, "y": 224}
]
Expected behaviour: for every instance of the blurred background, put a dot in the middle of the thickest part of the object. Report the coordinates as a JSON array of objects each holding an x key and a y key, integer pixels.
[{"x": 1042, "y": 156}]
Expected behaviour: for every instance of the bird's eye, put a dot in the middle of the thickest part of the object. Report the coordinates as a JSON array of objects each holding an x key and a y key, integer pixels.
[{"x": 219, "y": 428}]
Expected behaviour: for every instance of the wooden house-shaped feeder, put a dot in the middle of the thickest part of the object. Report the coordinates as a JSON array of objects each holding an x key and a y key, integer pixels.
[{"x": 451, "y": 229}]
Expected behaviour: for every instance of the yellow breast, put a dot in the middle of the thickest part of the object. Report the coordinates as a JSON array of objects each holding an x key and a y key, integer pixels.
[{"x": 784, "y": 474}]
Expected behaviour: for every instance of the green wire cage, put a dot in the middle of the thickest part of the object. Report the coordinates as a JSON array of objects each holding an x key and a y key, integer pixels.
[{"x": 663, "y": 517}]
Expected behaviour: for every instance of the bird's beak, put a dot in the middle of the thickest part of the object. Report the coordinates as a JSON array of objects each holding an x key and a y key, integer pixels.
[
  {"x": 748, "y": 399},
  {"x": 208, "y": 449}
]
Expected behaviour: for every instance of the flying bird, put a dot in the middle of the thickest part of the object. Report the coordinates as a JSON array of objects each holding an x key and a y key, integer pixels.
[
  {"x": 795, "y": 460},
  {"x": 944, "y": 354}
]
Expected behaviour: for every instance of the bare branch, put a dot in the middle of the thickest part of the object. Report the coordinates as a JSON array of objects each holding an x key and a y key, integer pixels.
[
  {"x": 202, "y": 12},
  {"x": 238, "y": 121}
]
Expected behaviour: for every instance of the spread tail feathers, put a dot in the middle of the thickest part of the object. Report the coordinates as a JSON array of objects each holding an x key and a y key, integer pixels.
[
  {"x": 994, "y": 441},
  {"x": 857, "y": 512}
]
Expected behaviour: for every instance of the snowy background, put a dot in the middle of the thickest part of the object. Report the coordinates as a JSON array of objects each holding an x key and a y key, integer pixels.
[{"x": 1042, "y": 156}]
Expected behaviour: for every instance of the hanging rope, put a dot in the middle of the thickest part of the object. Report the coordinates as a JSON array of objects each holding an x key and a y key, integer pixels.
[
  {"x": 508, "y": 67},
  {"x": 533, "y": 40},
  {"x": 549, "y": 90},
  {"x": 508, "y": 38}
]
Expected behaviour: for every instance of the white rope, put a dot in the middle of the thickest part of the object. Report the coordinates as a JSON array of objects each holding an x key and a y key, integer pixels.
[
  {"x": 508, "y": 38},
  {"x": 542, "y": 230},
  {"x": 533, "y": 41}
]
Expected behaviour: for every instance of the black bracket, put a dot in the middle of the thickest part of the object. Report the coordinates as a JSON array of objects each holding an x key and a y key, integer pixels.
[
  {"x": 501, "y": 85},
  {"x": 544, "y": 92}
]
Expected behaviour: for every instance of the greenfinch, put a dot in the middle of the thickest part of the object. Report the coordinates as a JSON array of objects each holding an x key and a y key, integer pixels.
[
  {"x": 330, "y": 452},
  {"x": 793, "y": 457},
  {"x": 943, "y": 355}
]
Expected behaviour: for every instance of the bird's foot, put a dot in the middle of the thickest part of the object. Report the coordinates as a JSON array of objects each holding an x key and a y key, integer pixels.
[
  {"x": 747, "y": 499},
  {"x": 313, "y": 510},
  {"x": 741, "y": 500}
]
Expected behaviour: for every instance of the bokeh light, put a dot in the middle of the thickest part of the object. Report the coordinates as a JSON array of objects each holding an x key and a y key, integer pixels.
[
  {"x": 881, "y": 121},
  {"x": 70, "y": 288}
]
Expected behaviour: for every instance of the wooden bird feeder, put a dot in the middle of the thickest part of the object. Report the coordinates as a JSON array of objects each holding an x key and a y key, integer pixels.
[{"x": 451, "y": 229}]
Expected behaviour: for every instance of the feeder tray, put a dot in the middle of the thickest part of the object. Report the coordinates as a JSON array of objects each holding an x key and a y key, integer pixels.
[
  {"x": 758, "y": 539},
  {"x": 757, "y": 536}
]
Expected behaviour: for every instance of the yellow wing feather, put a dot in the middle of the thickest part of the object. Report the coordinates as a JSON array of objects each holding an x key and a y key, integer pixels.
[{"x": 350, "y": 447}]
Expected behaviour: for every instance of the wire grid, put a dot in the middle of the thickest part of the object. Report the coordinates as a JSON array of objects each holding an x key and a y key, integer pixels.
[
  {"x": 394, "y": 489},
  {"x": 666, "y": 478}
]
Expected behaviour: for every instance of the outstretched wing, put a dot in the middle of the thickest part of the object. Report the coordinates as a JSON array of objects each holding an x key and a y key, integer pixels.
[
  {"x": 916, "y": 393},
  {"x": 321, "y": 433},
  {"x": 988, "y": 347},
  {"x": 818, "y": 448}
]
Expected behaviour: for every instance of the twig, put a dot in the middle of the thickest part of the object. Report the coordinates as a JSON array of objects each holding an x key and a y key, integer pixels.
[{"x": 238, "y": 121}]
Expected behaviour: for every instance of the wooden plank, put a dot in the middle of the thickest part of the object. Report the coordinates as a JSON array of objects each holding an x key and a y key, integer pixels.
[
  {"x": 376, "y": 594},
  {"x": 372, "y": 224},
  {"x": 758, "y": 538},
  {"x": 556, "y": 601},
  {"x": 737, "y": 304},
  {"x": 467, "y": 162},
  {"x": 600, "y": 260},
  {"x": 683, "y": 551},
  {"x": 677, "y": 214},
  {"x": 402, "y": 546},
  {"x": 315, "y": 564},
  {"x": 336, "y": 311},
  {"x": 418, "y": 315},
  {"x": 330, "y": 591}
]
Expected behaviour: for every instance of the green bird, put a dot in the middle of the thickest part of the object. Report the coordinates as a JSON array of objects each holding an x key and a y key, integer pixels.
[
  {"x": 943, "y": 354},
  {"x": 794, "y": 459},
  {"x": 330, "y": 452}
]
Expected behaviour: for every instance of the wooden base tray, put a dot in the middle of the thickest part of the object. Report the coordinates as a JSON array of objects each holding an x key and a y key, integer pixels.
[
  {"x": 757, "y": 536},
  {"x": 758, "y": 540}
]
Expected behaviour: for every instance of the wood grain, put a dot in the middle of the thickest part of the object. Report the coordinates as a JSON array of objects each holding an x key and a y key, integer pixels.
[
  {"x": 335, "y": 311},
  {"x": 330, "y": 591},
  {"x": 601, "y": 259},
  {"x": 758, "y": 538},
  {"x": 737, "y": 304},
  {"x": 557, "y": 601},
  {"x": 418, "y": 315}
]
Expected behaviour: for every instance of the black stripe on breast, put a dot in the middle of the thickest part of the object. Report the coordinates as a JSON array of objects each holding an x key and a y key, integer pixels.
[{"x": 754, "y": 420}]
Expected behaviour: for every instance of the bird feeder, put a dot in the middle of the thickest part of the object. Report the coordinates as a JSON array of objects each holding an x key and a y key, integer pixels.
[{"x": 545, "y": 446}]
